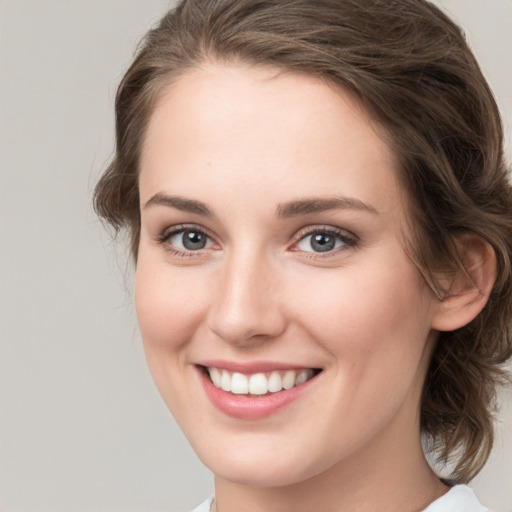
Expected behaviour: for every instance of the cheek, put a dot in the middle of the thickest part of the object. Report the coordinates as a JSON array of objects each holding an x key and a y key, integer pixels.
[
  {"x": 382, "y": 310},
  {"x": 167, "y": 304},
  {"x": 168, "y": 309},
  {"x": 375, "y": 327}
]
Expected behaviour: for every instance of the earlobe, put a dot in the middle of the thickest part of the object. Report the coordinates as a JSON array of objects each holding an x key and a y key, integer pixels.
[{"x": 467, "y": 289}]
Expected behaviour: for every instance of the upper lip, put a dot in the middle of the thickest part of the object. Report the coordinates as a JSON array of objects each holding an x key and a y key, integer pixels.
[{"x": 252, "y": 366}]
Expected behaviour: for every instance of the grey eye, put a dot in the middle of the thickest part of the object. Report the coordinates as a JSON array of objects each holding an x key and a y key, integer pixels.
[
  {"x": 320, "y": 241},
  {"x": 189, "y": 240},
  {"x": 193, "y": 240}
]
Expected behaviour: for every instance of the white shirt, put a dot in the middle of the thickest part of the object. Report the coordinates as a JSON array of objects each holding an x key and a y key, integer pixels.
[{"x": 458, "y": 499}]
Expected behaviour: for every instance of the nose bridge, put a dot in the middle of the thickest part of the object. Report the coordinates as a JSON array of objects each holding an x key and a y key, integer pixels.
[{"x": 246, "y": 303}]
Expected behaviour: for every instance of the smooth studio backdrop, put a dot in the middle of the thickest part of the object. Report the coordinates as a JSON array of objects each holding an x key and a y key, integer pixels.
[{"x": 81, "y": 426}]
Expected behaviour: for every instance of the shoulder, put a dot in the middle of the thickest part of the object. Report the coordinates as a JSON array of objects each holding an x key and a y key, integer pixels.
[
  {"x": 460, "y": 498},
  {"x": 204, "y": 506}
]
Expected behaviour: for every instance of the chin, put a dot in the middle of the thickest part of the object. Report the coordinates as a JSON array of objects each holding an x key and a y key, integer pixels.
[
  {"x": 260, "y": 467},
  {"x": 258, "y": 475}
]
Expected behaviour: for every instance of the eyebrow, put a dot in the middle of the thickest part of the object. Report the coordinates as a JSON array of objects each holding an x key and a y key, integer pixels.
[
  {"x": 285, "y": 210},
  {"x": 316, "y": 205},
  {"x": 180, "y": 203}
]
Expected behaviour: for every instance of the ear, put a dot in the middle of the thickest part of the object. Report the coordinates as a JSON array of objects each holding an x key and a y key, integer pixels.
[{"x": 468, "y": 289}]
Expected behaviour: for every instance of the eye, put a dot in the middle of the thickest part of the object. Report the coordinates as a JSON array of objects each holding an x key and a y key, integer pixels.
[
  {"x": 189, "y": 240},
  {"x": 324, "y": 240},
  {"x": 185, "y": 240}
]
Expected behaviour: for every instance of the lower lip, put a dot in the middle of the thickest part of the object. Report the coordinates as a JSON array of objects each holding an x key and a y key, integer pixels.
[{"x": 251, "y": 407}]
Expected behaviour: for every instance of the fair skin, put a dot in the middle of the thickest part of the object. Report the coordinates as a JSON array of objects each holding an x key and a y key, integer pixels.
[{"x": 272, "y": 226}]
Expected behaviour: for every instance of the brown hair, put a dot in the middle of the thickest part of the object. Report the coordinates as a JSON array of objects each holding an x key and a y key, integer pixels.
[{"x": 410, "y": 67}]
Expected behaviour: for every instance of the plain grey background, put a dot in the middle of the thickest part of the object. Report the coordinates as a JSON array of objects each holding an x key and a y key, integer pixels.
[{"x": 82, "y": 427}]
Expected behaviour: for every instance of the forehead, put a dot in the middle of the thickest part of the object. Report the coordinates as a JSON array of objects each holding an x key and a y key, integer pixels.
[{"x": 264, "y": 128}]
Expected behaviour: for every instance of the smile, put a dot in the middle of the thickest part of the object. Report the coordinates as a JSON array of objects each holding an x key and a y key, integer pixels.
[
  {"x": 256, "y": 390},
  {"x": 258, "y": 383}
]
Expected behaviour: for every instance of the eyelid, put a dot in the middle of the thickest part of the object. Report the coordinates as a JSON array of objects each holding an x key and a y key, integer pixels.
[
  {"x": 348, "y": 238},
  {"x": 164, "y": 236}
]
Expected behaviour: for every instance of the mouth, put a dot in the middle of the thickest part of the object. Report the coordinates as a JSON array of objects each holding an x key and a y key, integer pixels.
[
  {"x": 260, "y": 383},
  {"x": 255, "y": 390}
]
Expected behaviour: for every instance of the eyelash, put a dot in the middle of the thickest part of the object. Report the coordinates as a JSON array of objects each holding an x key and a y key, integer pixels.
[
  {"x": 347, "y": 239},
  {"x": 167, "y": 234}
]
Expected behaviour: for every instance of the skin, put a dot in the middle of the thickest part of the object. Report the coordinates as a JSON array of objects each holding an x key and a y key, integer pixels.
[{"x": 243, "y": 141}]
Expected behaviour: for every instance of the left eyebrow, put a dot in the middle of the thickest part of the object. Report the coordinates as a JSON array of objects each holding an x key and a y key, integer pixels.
[
  {"x": 316, "y": 205},
  {"x": 180, "y": 203}
]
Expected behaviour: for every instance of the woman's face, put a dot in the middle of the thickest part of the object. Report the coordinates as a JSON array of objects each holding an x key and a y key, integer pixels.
[{"x": 271, "y": 262}]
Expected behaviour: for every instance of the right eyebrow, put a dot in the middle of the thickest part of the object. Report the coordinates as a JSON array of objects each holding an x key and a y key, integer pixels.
[
  {"x": 180, "y": 203},
  {"x": 322, "y": 204}
]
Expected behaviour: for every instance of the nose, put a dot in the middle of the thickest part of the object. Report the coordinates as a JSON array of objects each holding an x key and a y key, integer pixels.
[{"x": 247, "y": 304}]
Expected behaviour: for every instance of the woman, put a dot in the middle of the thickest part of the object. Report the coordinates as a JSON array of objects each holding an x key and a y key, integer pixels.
[{"x": 321, "y": 224}]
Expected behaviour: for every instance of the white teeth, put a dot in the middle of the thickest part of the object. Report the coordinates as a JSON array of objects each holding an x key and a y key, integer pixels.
[
  {"x": 275, "y": 383},
  {"x": 225, "y": 382},
  {"x": 289, "y": 379},
  {"x": 239, "y": 384},
  {"x": 216, "y": 377},
  {"x": 302, "y": 377},
  {"x": 258, "y": 383}
]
